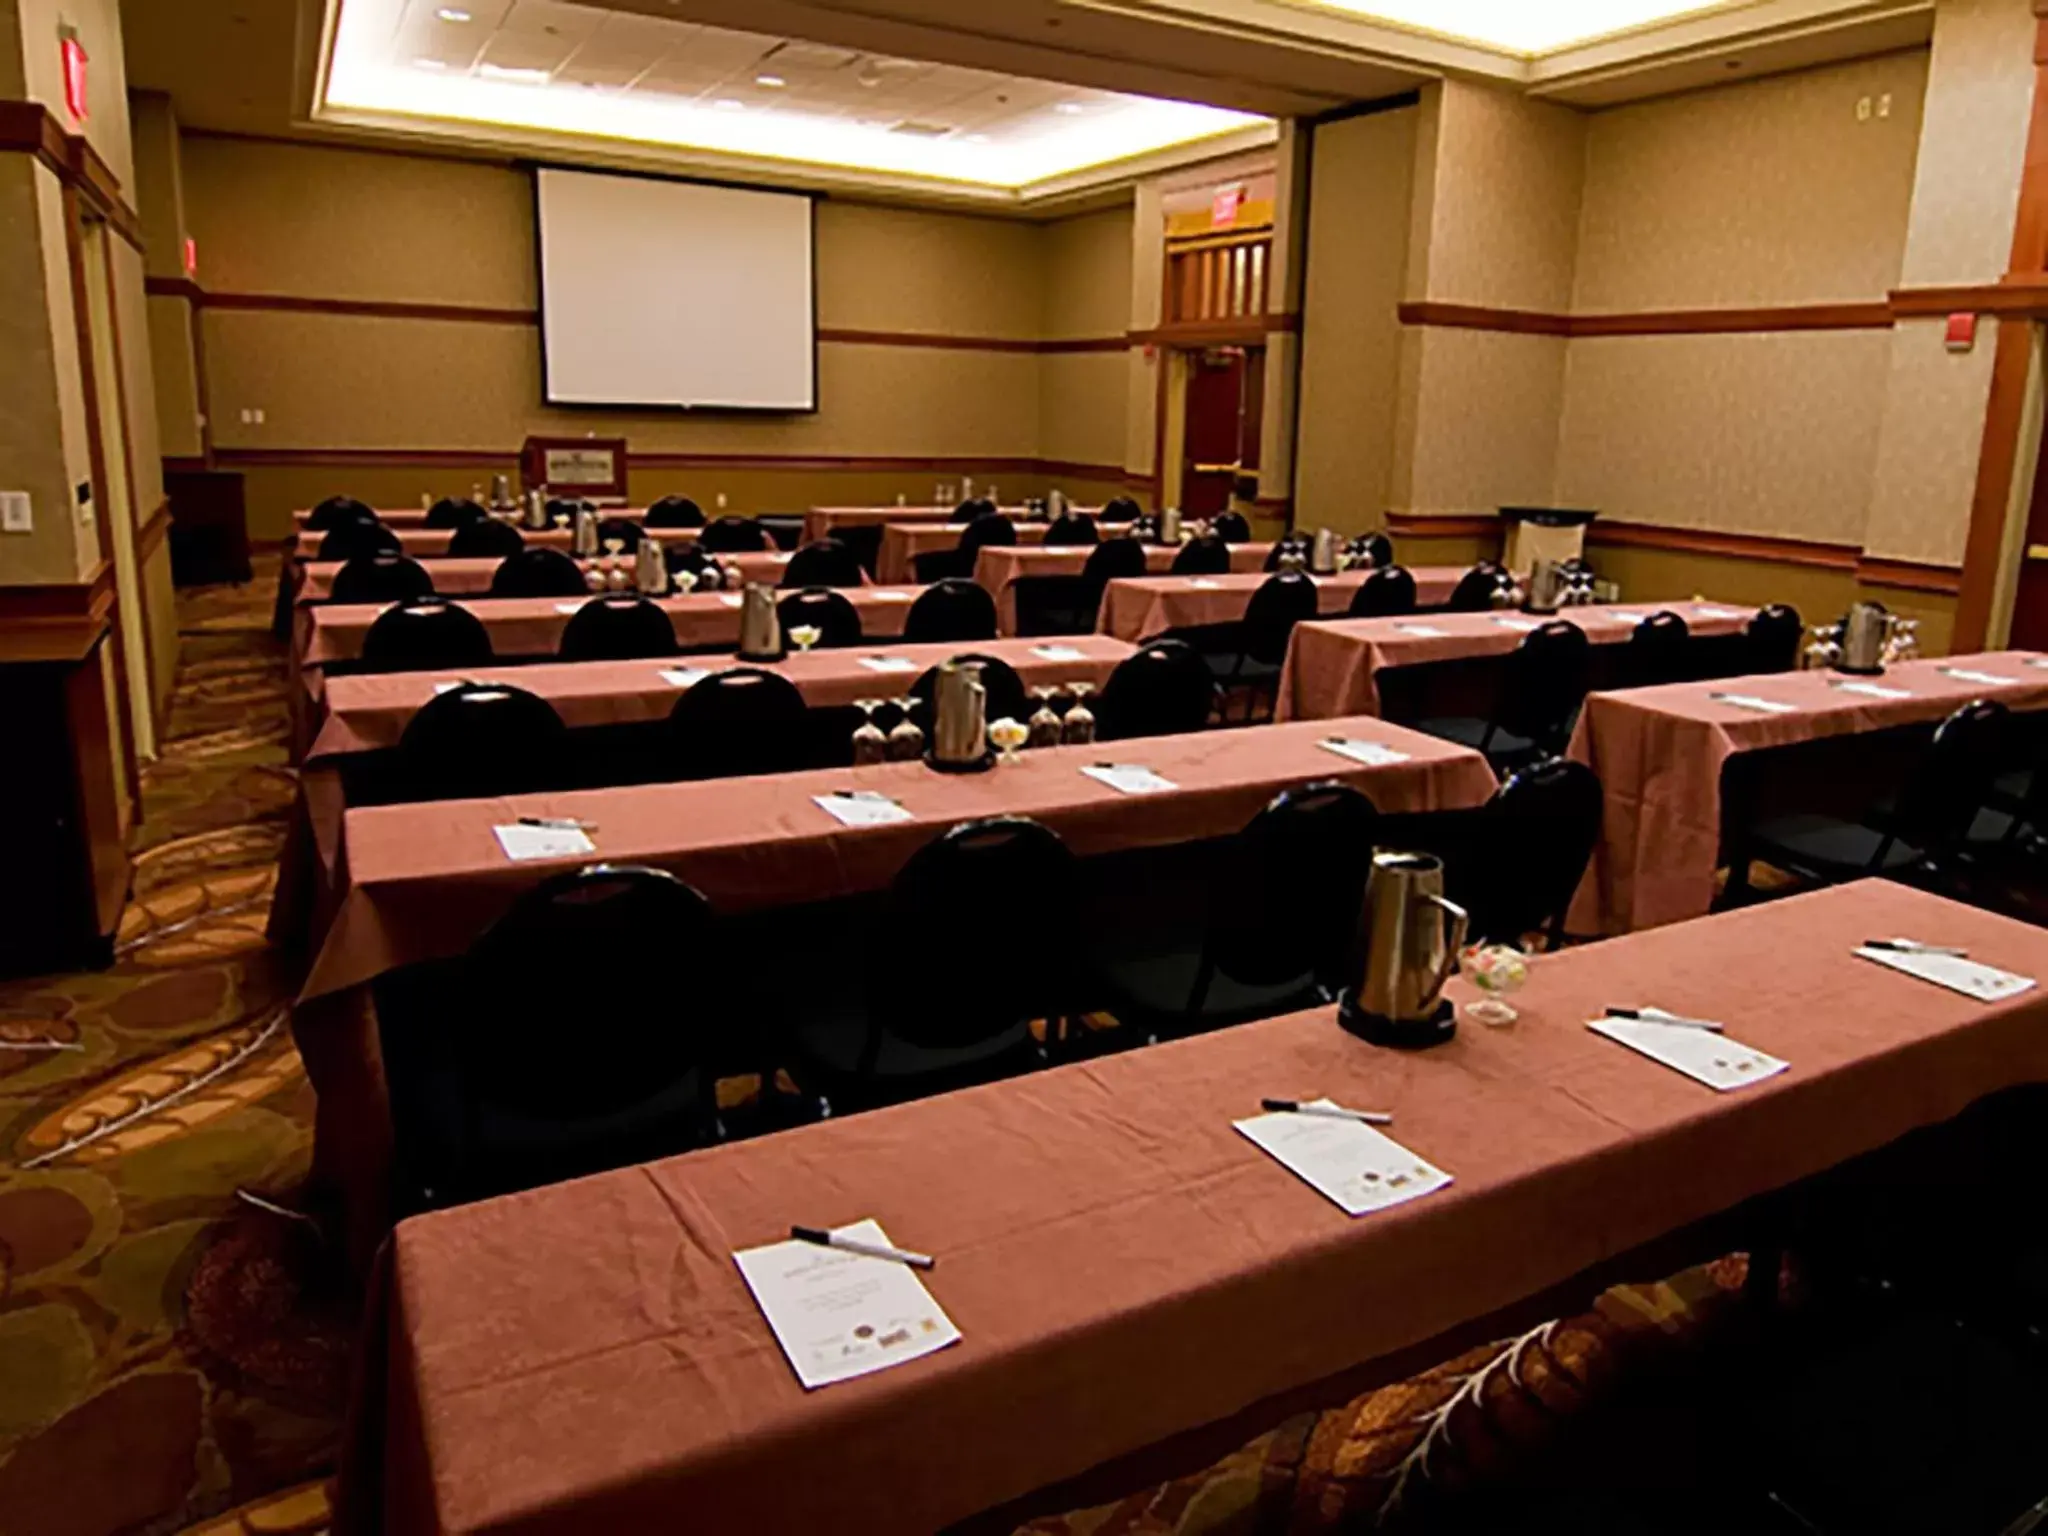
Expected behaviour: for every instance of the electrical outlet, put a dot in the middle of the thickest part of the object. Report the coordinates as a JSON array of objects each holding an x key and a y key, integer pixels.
[
  {"x": 259, "y": 415},
  {"x": 17, "y": 512},
  {"x": 1884, "y": 105},
  {"x": 1863, "y": 109}
]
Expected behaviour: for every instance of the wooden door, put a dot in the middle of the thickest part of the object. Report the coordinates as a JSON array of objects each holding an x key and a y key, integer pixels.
[{"x": 1221, "y": 440}]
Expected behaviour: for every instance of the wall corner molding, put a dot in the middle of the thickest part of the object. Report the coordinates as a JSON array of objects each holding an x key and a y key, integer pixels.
[{"x": 29, "y": 127}]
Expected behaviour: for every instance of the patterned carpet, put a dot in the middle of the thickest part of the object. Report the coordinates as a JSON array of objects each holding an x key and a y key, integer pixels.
[{"x": 174, "y": 1339}]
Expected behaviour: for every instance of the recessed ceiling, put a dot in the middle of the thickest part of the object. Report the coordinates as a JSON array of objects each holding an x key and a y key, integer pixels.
[
  {"x": 587, "y": 73},
  {"x": 1527, "y": 28}
]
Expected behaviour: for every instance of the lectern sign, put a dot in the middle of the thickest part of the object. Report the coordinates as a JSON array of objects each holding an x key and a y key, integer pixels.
[{"x": 580, "y": 466}]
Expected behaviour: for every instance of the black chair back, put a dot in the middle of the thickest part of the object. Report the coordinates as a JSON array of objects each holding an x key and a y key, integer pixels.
[
  {"x": 619, "y": 627},
  {"x": 1380, "y": 550},
  {"x": 1283, "y": 600},
  {"x": 1121, "y": 509},
  {"x": 1544, "y": 684},
  {"x": 1073, "y": 529},
  {"x": 986, "y": 530},
  {"x": 1660, "y": 651},
  {"x": 454, "y": 512},
  {"x": 1475, "y": 589},
  {"x": 479, "y": 740},
  {"x": 626, "y": 530},
  {"x": 1009, "y": 872},
  {"x": 1114, "y": 560},
  {"x": 1165, "y": 689},
  {"x": 1292, "y": 544},
  {"x": 529, "y": 975},
  {"x": 734, "y": 535},
  {"x": 1388, "y": 591},
  {"x": 1773, "y": 638},
  {"x": 823, "y": 563},
  {"x": 950, "y": 611},
  {"x": 347, "y": 541},
  {"x": 1007, "y": 697},
  {"x": 487, "y": 538},
  {"x": 1231, "y": 527},
  {"x": 975, "y": 509},
  {"x": 831, "y": 612},
  {"x": 737, "y": 722},
  {"x": 1529, "y": 851},
  {"x": 1291, "y": 885},
  {"x": 1206, "y": 556},
  {"x": 338, "y": 512},
  {"x": 675, "y": 512},
  {"x": 1953, "y": 777},
  {"x": 382, "y": 578},
  {"x": 425, "y": 635},
  {"x": 538, "y": 572}
]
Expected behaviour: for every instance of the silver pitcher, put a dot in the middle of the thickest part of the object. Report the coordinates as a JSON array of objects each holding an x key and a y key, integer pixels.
[
  {"x": 1548, "y": 585},
  {"x": 1056, "y": 505},
  {"x": 1322, "y": 557},
  {"x": 583, "y": 540},
  {"x": 760, "y": 625},
  {"x": 501, "y": 494},
  {"x": 1412, "y": 938},
  {"x": 537, "y": 509},
  {"x": 1169, "y": 526},
  {"x": 960, "y": 720},
  {"x": 650, "y": 570},
  {"x": 1866, "y": 632}
]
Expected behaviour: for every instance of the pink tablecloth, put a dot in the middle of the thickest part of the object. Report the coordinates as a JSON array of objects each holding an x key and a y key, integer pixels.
[
  {"x": 1660, "y": 751},
  {"x": 1123, "y": 1266},
  {"x": 902, "y": 543},
  {"x": 366, "y": 711},
  {"x": 820, "y": 522},
  {"x": 469, "y": 578},
  {"x": 997, "y": 568},
  {"x": 532, "y": 626},
  {"x": 1140, "y": 607},
  {"x": 1332, "y": 666},
  {"x": 398, "y": 519}
]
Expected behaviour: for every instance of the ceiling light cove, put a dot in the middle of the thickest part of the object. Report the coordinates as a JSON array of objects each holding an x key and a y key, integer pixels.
[
  {"x": 1526, "y": 27},
  {"x": 537, "y": 66}
]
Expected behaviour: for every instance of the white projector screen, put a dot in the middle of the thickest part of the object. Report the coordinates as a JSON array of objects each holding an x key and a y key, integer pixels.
[{"x": 674, "y": 293}]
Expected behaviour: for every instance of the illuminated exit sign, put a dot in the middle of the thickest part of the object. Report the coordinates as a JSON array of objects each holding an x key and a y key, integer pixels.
[{"x": 74, "y": 73}]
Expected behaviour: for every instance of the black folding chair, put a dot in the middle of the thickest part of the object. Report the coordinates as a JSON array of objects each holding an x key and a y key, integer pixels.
[
  {"x": 1257, "y": 644},
  {"x": 1206, "y": 556},
  {"x": 618, "y": 627},
  {"x": 1164, "y": 689},
  {"x": 986, "y": 530},
  {"x": 338, "y": 512},
  {"x": 1068, "y": 605},
  {"x": 423, "y": 635},
  {"x": 958, "y": 1012},
  {"x": 1075, "y": 528},
  {"x": 1284, "y": 548},
  {"x": 481, "y": 740},
  {"x": 949, "y": 611},
  {"x": 565, "y": 508},
  {"x": 1387, "y": 592},
  {"x": 454, "y": 512},
  {"x": 675, "y": 512},
  {"x": 538, "y": 572},
  {"x": 824, "y": 563},
  {"x": 1231, "y": 527},
  {"x": 734, "y": 535},
  {"x": 1380, "y": 550},
  {"x": 1773, "y": 639},
  {"x": 1476, "y": 588},
  {"x": 738, "y": 722},
  {"x": 1660, "y": 651},
  {"x": 486, "y": 539},
  {"x": 828, "y": 611},
  {"x": 1542, "y": 685},
  {"x": 349, "y": 541},
  {"x": 625, "y": 531},
  {"x": 1279, "y": 921},
  {"x": 380, "y": 578}
]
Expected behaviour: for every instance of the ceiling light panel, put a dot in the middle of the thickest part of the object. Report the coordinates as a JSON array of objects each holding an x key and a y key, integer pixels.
[
  {"x": 584, "y": 72},
  {"x": 1526, "y": 27}
]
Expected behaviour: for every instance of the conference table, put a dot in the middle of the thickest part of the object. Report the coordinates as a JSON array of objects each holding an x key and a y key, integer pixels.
[
  {"x": 902, "y": 543},
  {"x": 469, "y": 577},
  {"x": 1333, "y": 667},
  {"x": 1140, "y": 607},
  {"x": 823, "y": 522},
  {"x": 1660, "y": 753},
  {"x": 999, "y": 566},
  {"x": 397, "y": 519},
  {"x": 1123, "y": 1266},
  {"x": 420, "y": 882}
]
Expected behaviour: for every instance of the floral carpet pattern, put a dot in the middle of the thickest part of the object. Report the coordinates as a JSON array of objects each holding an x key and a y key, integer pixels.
[{"x": 174, "y": 1337}]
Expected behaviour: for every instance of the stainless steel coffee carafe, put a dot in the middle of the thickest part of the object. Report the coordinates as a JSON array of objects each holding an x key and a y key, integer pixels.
[{"x": 1412, "y": 937}]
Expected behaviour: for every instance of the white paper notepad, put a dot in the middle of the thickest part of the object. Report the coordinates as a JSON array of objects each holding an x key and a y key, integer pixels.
[
  {"x": 1702, "y": 1055},
  {"x": 1956, "y": 972},
  {"x": 888, "y": 663},
  {"x": 1874, "y": 690},
  {"x": 1967, "y": 675},
  {"x": 1751, "y": 701},
  {"x": 1708, "y": 611},
  {"x": 732, "y": 599},
  {"x": 887, "y": 597},
  {"x": 683, "y": 677},
  {"x": 1204, "y": 584},
  {"x": 862, "y": 808},
  {"x": 1058, "y": 653},
  {"x": 1346, "y": 1160},
  {"x": 1131, "y": 778},
  {"x": 1526, "y": 626},
  {"x": 570, "y": 607},
  {"x": 1370, "y": 753},
  {"x": 523, "y": 843},
  {"x": 1422, "y": 631},
  {"x": 839, "y": 1315}
]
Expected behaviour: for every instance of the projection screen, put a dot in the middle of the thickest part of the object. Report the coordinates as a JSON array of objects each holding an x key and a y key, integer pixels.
[{"x": 674, "y": 293}]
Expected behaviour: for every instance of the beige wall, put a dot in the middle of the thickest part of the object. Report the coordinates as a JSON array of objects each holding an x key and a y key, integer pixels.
[
  {"x": 331, "y": 224},
  {"x": 1361, "y": 174}
]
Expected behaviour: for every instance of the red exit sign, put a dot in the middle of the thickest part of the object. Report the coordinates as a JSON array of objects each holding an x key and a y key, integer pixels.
[{"x": 75, "y": 99}]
